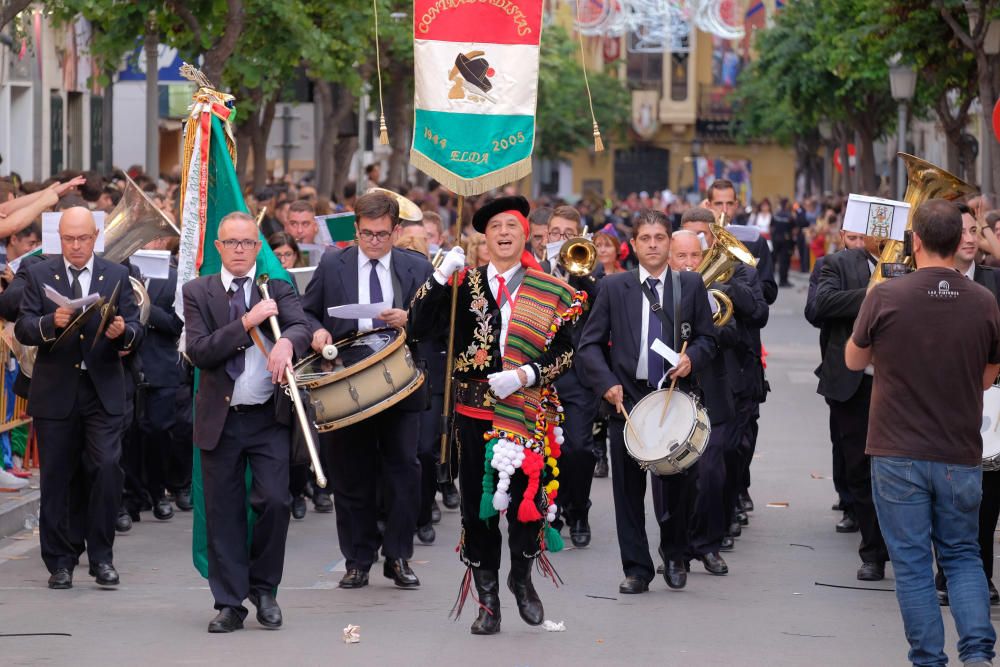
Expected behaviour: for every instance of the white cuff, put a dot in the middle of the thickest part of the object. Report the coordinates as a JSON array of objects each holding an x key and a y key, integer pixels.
[{"x": 529, "y": 373}]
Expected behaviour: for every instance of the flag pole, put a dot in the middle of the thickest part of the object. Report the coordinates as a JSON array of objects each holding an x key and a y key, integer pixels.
[{"x": 444, "y": 467}]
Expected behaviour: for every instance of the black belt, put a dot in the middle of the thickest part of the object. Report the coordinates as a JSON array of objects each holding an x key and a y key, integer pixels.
[
  {"x": 254, "y": 407},
  {"x": 474, "y": 394}
]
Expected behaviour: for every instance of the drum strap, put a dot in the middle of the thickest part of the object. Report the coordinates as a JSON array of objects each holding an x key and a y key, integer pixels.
[{"x": 655, "y": 306}]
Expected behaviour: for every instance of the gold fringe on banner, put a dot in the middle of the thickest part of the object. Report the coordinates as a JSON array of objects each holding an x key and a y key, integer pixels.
[
  {"x": 383, "y": 131},
  {"x": 470, "y": 187},
  {"x": 598, "y": 143}
]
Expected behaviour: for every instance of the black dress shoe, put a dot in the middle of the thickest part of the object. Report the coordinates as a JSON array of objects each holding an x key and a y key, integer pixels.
[
  {"x": 227, "y": 620},
  {"x": 676, "y": 574},
  {"x": 183, "y": 500},
  {"x": 601, "y": 468},
  {"x": 163, "y": 510},
  {"x": 354, "y": 578},
  {"x": 994, "y": 594},
  {"x": 399, "y": 571},
  {"x": 742, "y": 518},
  {"x": 942, "y": 596},
  {"x": 435, "y": 512},
  {"x": 299, "y": 507},
  {"x": 727, "y": 544},
  {"x": 714, "y": 564},
  {"x": 632, "y": 585},
  {"x": 839, "y": 506},
  {"x": 871, "y": 572},
  {"x": 426, "y": 534},
  {"x": 322, "y": 502},
  {"x": 104, "y": 574},
  {"x": 488, "y": 587},
  {"x": 449, "y": 495},
  {"x": 746, "y": 502},
  {"x": 123, "y": 523},
  {"x": 268, "y": 611},
  {"x": 529, "y": 605},
  {"x": 848, "y": 524},
  {"x": 579, "y": 533},
  {"x": 735, "y": 529},
  {"x": 61, "y": 579}
]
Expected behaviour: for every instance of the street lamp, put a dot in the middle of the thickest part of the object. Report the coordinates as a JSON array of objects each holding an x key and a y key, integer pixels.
[{"x": 902, "y": 81}]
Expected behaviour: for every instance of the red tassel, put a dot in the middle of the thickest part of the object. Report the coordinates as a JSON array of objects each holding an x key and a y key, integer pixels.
[
  {"x": 465, "y": 591},
  {"x": 532, "y": 467},
  {"x": 547, "y": 570}
]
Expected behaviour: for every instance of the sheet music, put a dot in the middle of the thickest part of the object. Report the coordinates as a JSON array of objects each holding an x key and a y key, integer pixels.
[{"x": 55, "y": 297}]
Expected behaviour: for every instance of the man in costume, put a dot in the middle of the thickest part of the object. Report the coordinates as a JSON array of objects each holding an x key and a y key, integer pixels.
[{"x": 513, "y": 338}]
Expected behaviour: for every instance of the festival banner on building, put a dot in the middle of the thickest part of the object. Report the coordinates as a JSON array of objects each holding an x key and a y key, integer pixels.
[{"x": 476, "y": 73}]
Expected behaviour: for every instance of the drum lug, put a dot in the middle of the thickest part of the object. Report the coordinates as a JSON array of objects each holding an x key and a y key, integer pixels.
[
  {"x": 355, "y": 396},
  {"x": 388, "y": 377}
]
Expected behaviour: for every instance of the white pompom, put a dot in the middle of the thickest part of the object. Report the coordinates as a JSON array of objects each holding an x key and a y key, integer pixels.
[
  {"x": 559, "y": 408},
  {"x": 550, "y": 517},
  {"x": 560, "y": 440},
  {"x": 510, "y": 470},
  {"x": 557, "y": 430},
  {"x": 503, "y": 485},
  {"x": 501, "y": 501},
  {"x": 504, "y": 474}
]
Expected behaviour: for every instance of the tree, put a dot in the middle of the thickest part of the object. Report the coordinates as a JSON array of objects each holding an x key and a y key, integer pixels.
[
  {"x": 562, "y": 119},
  {"x": 11, "y": 8}
]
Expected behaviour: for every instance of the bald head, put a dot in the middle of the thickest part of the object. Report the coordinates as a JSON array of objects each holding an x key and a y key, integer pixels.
[
  {"x": 77, "y": 235},
  {"x": 685, "y": 251}
]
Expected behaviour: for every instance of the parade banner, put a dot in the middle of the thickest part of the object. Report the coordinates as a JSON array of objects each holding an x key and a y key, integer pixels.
[
  {"x": 476, "y": 86},
  {"x": 209, "y": 191}
]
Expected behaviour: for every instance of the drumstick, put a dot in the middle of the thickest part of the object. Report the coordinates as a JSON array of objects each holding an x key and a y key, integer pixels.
[
  {"x": 673, "y": 385},
  {"x": 628, "y": 424}
]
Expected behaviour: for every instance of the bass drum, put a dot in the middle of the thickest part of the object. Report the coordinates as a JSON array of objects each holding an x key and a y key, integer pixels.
[
  {"x": 990, "y": 429},
  {"x": 669, "y": 445},
  {"x": 372, "y": 372}
]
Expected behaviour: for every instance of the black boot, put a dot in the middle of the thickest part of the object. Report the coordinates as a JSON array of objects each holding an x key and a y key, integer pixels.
[
  {"x": 528, "y": 603},
  {"x": 488, "y": 589}
]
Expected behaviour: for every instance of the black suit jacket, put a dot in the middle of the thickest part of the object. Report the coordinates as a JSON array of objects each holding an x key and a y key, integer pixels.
[
  {"x": 810, "y": 309},
  {"x": 10, "y": 298},
  {"x": 211, "y": 339},
  {"x": 988, "y": 278},
  {"x": 57, "y": 369},
  {"x": 160, "y": 360},
  {"x": 609, "y": 346},
  {"x": 335, "y": 283},
  {"x": 841, "y": 288}
]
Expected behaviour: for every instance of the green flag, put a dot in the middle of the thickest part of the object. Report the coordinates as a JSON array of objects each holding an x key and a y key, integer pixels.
[{"x": 223, "y": 196}]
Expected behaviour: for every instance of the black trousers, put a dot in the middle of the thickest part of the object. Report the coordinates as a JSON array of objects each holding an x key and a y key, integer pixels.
[
  {"x": 386, "y": 442},
  {"x": 576, "y": 465},
  {"x": 257, "y": 440},
  {"x": 783, "y": 259},
  {"x": 182, "y": 439},
  {"x": 851, "y": 419},
  {"x": 429, "y": 454},
  {"x": 745, "y": 428},
  {"x": 481, "y": 540},
  {"x": 156, "y": 423},
  {"x": 839, "y": 467},
  {"x": 79, "y": 458},
  {"x": 718, "y": 472},
  {"x": 673, "y": 502}
]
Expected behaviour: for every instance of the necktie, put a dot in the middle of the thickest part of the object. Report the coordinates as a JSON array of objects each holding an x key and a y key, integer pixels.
[
  {"x": 654, "y": 363},
  {"x": 237, "y": 308},
  {"x": 75, "y": 283},
  {"x": 375, "y": 291},
  {"x": 503, "y": 294}
]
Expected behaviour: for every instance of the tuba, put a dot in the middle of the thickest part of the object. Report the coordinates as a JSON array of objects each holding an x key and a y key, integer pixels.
[
  {"x": 718, "y": 265},
  {"x": 923, "y": 181},
  {"x": 133, "y": 223}
]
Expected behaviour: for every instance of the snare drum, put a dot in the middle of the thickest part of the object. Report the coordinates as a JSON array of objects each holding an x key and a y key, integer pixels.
[
  {"x": 372, "y": 372},
  {"x": 675, "y": 445},
  {"x": 990, "y": 429}
]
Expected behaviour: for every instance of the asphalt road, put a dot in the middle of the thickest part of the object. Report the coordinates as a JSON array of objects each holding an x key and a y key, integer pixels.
[{"x": 791, "y": 597}]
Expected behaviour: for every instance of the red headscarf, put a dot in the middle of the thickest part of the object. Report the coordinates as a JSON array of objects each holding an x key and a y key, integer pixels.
[{"x": 528, "y": 260}]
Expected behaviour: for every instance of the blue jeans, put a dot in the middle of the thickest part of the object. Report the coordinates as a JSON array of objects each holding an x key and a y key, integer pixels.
[{"x": 920, "y": 503}]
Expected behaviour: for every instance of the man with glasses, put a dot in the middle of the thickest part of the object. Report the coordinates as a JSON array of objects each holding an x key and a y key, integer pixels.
[
  {"x": 235, "y": 422},
  {"x": 372, "y": 272},
  {"x": 77, "y": 398}
]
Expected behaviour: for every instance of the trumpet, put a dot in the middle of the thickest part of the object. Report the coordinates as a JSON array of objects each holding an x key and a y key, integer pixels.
[
  {"x": 578, "y": 256},
  {"x": 293, "y": 390}
]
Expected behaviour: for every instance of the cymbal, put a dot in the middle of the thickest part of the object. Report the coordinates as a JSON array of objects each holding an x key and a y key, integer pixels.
[
  {"x": 407, "y": 209},
  {"x": 108, "y": 312},
  {"x": 79, "y": 321}
]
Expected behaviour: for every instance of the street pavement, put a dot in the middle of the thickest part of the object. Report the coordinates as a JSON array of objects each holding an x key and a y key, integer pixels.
[{"x": 791, "y": 597}]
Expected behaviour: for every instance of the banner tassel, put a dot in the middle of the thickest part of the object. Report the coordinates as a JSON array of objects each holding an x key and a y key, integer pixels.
[
  {"x": 383, "y": 131},
  {"x": 598, "y": 142}
]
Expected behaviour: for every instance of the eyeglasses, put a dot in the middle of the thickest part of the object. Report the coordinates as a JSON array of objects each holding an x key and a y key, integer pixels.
[
  {"x": 369, "y": 235},
  {"x": 78, "y": 240},
  {"x": 236, "y": 244},
  {"x": 284, "y": 255},
  {"x": 560, "y": 236}
]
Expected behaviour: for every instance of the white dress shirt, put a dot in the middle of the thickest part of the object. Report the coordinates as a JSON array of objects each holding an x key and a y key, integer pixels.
[
  {"x": 254, "y": 385},
  {"x": 642, "y": 367},
  {"x": 971, "y": 272},
  {"x": 85, "y": 275},
  {"x": 364, "y": 276}
]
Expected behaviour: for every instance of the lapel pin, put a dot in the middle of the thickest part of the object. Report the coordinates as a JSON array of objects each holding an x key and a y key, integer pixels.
[
  {"x": 57, "y": 277},
  {"x": 100, "y": 277}
]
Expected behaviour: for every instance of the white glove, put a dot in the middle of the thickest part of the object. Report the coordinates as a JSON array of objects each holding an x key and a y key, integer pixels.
[
  {"x": 504, "y": 383},
  {"x": 452, "y": 262}
]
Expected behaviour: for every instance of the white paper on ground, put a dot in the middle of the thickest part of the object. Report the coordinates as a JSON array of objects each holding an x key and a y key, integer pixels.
[
  {"x": 358, "y": 311},
  {"x": 665, "y": 351}
]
